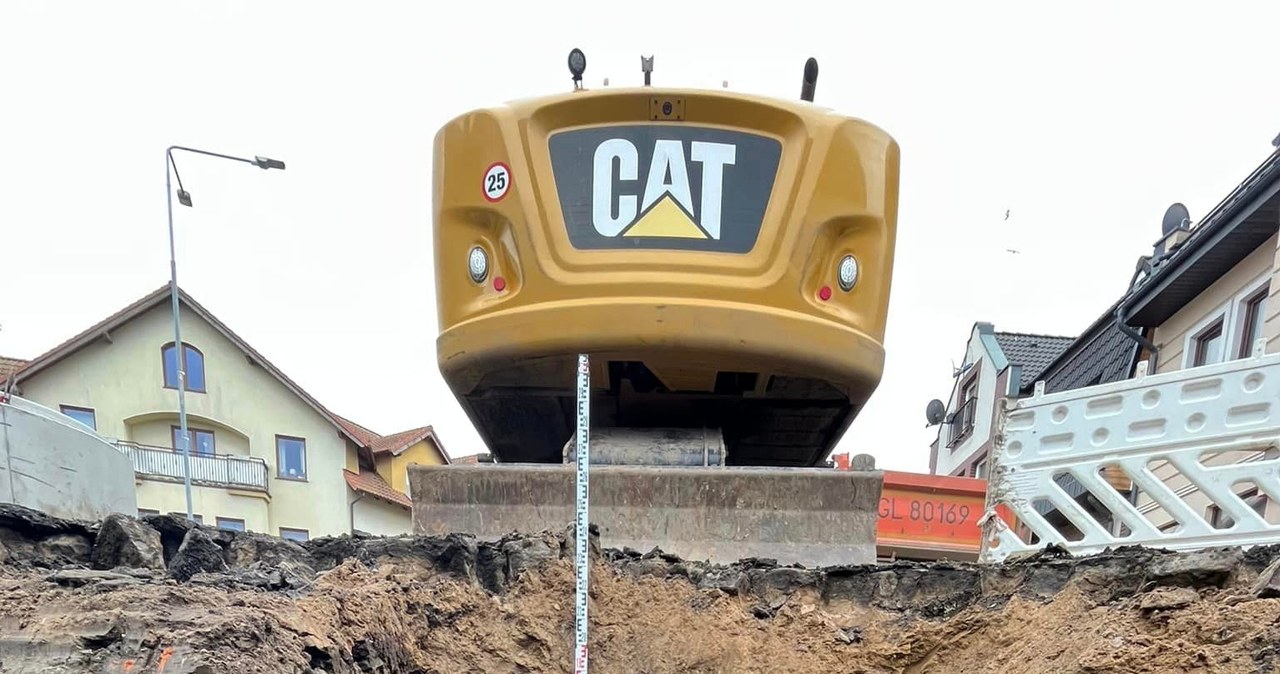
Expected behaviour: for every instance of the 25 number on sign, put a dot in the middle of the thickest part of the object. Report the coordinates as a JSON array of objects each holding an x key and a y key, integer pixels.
[{"x": 497, "y": 180}]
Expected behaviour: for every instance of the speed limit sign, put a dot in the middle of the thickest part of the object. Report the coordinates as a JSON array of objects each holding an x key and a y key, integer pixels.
[{"x": 497, "y": 180}]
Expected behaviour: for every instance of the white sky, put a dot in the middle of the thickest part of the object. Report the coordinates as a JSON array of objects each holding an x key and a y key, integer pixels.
[{"x": 1085, "y": 124}]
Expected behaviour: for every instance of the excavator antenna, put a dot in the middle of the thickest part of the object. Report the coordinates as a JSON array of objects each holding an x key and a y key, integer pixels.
[{"x": 810, "y": 79}]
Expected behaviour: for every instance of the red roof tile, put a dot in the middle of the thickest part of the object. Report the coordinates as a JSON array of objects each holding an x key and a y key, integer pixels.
[
  {"x": 371, "y": 483},
  {"x": 10, "y": 365},
  {"x": 365, "y": 436},
  {"x": 396, "y": 442}
]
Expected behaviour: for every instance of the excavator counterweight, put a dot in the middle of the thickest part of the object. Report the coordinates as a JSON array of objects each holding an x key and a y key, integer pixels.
[{"x": 724, "y": 260}]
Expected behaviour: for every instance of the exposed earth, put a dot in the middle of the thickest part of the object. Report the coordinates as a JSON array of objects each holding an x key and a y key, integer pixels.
[{"x": 130, "y": 596}]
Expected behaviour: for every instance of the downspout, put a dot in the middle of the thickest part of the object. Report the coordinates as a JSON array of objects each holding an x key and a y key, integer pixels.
[
  {"x": 1121, "y": 323},
  {"x": 351, "y": 512},
  {"x": 1122, "y": 320}
]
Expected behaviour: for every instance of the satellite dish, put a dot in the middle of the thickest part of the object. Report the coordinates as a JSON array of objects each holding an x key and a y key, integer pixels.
[
  {"x": 935, "y": 412},
  {"x": 1176, "y": 216}
]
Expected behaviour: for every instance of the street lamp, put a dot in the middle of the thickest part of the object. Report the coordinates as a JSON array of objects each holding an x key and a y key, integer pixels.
[{"x": 184, "y": 198}]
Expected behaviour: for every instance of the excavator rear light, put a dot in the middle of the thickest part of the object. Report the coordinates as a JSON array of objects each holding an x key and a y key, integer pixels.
[
  {"x": 478, "y": 264},
  {"x": 848, "y": 273}
]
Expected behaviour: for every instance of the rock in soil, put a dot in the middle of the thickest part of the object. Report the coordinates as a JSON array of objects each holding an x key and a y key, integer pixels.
[{"x": 125, "y": 541}]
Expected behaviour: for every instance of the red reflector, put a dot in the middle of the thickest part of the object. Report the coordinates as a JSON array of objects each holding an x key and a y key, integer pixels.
[
  {"x": 499, "y": 283},
  {"x": 824, "y": 293}
]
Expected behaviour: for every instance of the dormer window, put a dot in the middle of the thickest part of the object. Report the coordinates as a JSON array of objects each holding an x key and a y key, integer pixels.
[{"x": 193, "y": 366}]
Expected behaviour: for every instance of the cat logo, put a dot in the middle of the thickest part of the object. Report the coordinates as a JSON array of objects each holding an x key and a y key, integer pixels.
[{"x": 656, "y": 186}]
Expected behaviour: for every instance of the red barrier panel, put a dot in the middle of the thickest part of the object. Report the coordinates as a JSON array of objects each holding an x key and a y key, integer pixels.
[{"x": 930, "y": 516}]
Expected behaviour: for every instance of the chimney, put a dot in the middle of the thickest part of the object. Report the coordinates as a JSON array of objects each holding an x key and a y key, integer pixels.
[{"x": 1174, "y": 229}]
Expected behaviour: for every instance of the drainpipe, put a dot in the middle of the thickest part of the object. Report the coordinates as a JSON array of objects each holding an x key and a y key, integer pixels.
[
  {"x": 1122, "y": 323},
  {"x": 351, "y": 513}
]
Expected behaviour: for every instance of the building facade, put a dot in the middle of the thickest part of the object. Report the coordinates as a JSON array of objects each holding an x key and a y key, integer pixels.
[
  {"x": 265, "y": 455},
  {"x": 1203, "y": 296},
  {"x": 997, "y": 365}
]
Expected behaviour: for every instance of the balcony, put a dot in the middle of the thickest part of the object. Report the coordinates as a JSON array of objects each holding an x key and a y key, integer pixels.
[
  {"x": 960, "y": 423},
  {"x": 216, "y": 470}
]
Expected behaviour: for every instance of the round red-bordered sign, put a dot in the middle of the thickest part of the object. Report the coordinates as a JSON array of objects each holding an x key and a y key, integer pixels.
[{"x": 496, "y": 182}]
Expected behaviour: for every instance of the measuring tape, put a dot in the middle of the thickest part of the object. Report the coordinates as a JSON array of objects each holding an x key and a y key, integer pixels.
[{"x": 581, "y": 561}]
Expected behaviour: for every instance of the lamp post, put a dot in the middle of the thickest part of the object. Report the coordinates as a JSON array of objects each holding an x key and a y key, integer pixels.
[{"x": 184, "y": 198}]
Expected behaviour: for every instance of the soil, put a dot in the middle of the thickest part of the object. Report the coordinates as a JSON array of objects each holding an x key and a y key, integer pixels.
[{"x": 452, "y": 604}]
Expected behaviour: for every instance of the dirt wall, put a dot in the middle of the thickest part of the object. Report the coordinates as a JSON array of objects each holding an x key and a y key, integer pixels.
[{"x": 162, "y": 596}]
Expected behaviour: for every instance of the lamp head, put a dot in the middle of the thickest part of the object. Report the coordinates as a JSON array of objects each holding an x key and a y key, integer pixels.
[{"x": 265, "y": 163}]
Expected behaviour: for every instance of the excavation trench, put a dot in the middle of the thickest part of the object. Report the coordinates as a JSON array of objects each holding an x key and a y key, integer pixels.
[{"x": 159, "y": 595}]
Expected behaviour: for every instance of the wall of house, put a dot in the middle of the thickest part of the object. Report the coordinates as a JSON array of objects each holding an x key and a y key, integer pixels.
[
  {"x": 424, "y": 452},
  {"x": 1271, "y": 329},
  {"x": 380, "y": 518},
  {"x": 1223, "y": 298},
  {"x": 158, "y": 432},
  {"x": 208, "y": 502},
  {"x": 123, "y": 380},
  {"x": 952, "y": 459}
]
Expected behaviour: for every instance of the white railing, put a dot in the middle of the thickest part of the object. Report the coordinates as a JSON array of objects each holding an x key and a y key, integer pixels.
[
  {"x": 1143, "y": 461},
  {"x": 228, "y": 471}
]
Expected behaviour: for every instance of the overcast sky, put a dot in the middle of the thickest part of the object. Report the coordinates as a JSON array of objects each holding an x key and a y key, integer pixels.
[{"x": 1084, "y": 124}]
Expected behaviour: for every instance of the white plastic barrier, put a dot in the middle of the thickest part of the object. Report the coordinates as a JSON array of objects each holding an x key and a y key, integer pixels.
[{"x": 1141, "y": 462}]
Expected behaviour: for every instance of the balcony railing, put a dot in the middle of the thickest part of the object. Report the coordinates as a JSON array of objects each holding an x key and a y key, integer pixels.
[
  {"x": 212, "y": 470},
  {"x": 960, "y": 424}
]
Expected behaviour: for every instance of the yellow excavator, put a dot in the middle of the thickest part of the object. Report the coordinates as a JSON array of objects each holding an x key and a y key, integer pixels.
[{"x": 724, "y": 261}]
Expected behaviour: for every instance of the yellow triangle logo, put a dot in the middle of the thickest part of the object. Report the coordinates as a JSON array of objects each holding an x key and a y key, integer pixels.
[{"x": 667, "y": 220}]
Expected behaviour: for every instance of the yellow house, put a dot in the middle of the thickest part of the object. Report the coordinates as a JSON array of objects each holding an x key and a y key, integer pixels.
[{"x": 265, "y": 455}]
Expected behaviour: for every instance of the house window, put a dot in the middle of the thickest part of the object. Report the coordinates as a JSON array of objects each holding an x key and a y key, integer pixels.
[
  {"x": 979, "y": 467},
  {"x": 299, "y": 535},
  {"x": 966, "y": 412},
  {"x": 143, "y": 512},
  {"x": 201, "y": 441},
  {"x": 291, "y": 458},
  {"x": 82, "y": 414},
  {"x": 194, "y": 367},
  {"x": 1251, "y": 327},
  {"x": 1208, "y": 345},
  {"x": 196, "y": 516},
  {"x": 1220, "y": 520},
  {"x": 230, "y": 524}
]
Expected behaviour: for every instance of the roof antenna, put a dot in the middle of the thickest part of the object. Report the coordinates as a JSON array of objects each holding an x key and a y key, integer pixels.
[
  {"x": 646, "y": 65},
  {"x": 810, "y": 79}
]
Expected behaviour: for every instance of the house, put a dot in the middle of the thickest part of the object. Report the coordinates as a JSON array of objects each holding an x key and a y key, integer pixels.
[
  {"x": 996, "y": 365},
  {"x": 1204, "y": 296},
  {"x": 265, "y": 455},
  {"x": 1207, "y": 295}
]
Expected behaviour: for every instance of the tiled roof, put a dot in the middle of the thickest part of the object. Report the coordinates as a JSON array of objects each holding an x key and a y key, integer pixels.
[
  {"x": 364, "y": 436},
  {"x": 1031, "y": 352},
  {"x": 10, "y": 365},
  {"x": 371, "y": 483},
  {"x": 473, "y": 458},
  {"x": 397, "y": 441},
  {"x": 393, "y": 443},
  {"x": 1100, "y": 355}
]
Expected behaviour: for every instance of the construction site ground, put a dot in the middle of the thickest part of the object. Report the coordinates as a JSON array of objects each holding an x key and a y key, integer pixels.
[{"x": 161, "y": 595}]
